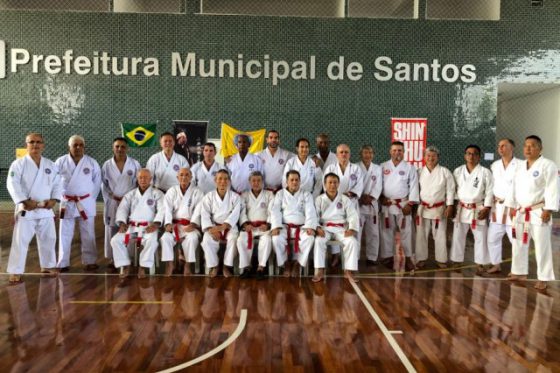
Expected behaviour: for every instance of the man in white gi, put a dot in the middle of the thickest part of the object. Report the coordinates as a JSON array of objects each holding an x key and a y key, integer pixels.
[
  {"x": 369, "y": 209},
  {"x": 437, "y": 197},
  {"x": 311, "y": 175},
  {"x": 219, "y": 213},
  {"x": 274, "y": 159},
  {"x": 139, "y": 216},
  {"x": 400, "y": 193},
  {"x": 242, "y": 164},
  {"x": 474, "y": 192},
  {"x": 503, "y": 171},
  {"x": 204, "y": 172},
  {"x": 81, "y": 182},
  {"x": 338, "y": 219},
  {"x": 181, "y": 221},
  {"x": 255, "y": 222},
  {"x": 324, "y": 155},
  {"x": 165, "y": 164},
  {"x": 293, "y": 216},
  {"x": 35, "y": 187},
  {"x": 118, "y": 176},
  {"x": 533, "y": 199}
]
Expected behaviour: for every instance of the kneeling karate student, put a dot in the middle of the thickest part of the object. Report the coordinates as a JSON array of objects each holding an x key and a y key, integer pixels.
[
  {"x": 219, "y": 215},
  {"x": 255, "y": 222},
  {"x": 140, "y": 213},
  {"x": 338, "y": 219},
  {"x": 293, "y": 215}
]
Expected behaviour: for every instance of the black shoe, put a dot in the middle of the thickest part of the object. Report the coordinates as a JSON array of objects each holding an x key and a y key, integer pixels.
[
  {"x": 261, "y": 275},
  {"x": 245, "y": 274},
  {"x": 371, "y": 262}
]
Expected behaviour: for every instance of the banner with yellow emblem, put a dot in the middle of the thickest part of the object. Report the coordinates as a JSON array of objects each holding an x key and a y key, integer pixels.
[{"x": 229, "y": 140}]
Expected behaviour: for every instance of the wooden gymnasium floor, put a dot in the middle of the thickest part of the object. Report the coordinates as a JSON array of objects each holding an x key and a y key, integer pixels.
[{"x": 434, "y": 321}]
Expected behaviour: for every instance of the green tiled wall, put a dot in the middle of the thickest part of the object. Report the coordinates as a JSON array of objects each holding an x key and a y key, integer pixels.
[{"x": 524, "y": 46}]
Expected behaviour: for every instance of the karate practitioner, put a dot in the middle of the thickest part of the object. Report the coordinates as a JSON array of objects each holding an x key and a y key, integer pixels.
[
  {"x": 369, "y": 209},
  {"x": 311, "y": 175},
  {"x": 274, "y": 159},
  {"x": 182, "y": 222},
  {"x": 474, "y": 192},
  {"x": 81, "y": 182},
  {"x": 118, "y": 176},
  {"x": 324, "y": 156},
  {"x": 34, "y": 185},
  {"x": 204, "y": 172},
  {"x": 139, "y": 216},
  {"x": 220, "y": 212},
  {"x": 503, "y": 171},
  {"x": 242, "y": 164},
  {"x": 400, "y": 193},
  {"x": 164, "y": 165},
  {"x": 255, "y": 222},
  {"x": 533, "y": 199},
  {"x": 293, "y": 216},
  {"x": 437, "y": 197},
  {"x": 338, "y": 219}
]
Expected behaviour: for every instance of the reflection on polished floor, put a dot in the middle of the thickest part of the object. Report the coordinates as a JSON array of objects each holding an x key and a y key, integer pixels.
[{"x": 445, "y": 320}]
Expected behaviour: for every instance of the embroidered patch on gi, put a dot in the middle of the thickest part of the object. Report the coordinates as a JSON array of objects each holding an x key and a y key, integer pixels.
[
  {"x": 401, "y": 173},
  {"x": 214, "y": 173},
  {"x": 129, "y": 172},
  {"x": 12, "y": 174},
  {"x": 373, "y": 178},
  {"x": 176, "y": 167},
  {"x": 251, "y": 166},
  {"x": 281, "y": 161},
  {"x": 150, "y": 202},
  {"x": 475, "y": 183},
  {"x": 263, "y": 205},
  {"x": 353, "y": 177},
  {"x": 386, "y": 171},
  {"x": 339, "y": 205},
  {"x": 48, "y": 171},
  {"x": 189, "y": 202},
  {"x": 536, "y": 173},
  {"x": 86, "y": 171}
]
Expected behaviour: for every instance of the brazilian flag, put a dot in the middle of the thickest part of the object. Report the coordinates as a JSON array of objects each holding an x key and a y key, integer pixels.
[{"x": 139, "y": 135}]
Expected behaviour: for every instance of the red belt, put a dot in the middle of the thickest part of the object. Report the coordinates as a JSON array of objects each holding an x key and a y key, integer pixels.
[
  {"x": 296, "y": 238},
  {"x": 338, "y": 225},
  {"x": 118, "y": 199},
  {"x": 176, "y": 223},
  {"x": 527, "y": 220},
  {"x": 469, "y": 206},
  {"x": 427, "y": 205},
  {"x": 76, "y": 200},
  {"x": 256, "y": 223},
  {"x": 273, "y": 190},
  {"x": 224, "y": 234},
  {"x": 396, "y": 202},
  {"x": 139, "y": 234}
]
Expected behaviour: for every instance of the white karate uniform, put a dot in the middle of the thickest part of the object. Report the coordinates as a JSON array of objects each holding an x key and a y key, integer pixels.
[
  {"x": 369, "y": 214},
  {"x": 310, "y": 176},
  {"x": 500, "y": 221},
  {"x": 164, "y": 172},
  {"x": 340, "y": 211},
  {"x": 255, "y": 209},
  {"x": 274, "y": 167},
  {"x": 296, "y": 209},
  {"x": 203, "y": 178},
  {"x": 533, "y": 186},
  {"x": 475, "y": 187},
  {"x": 436, "y": 187},
  {"x": 400, "y": 182},
  {"x": 27, "y": 181},
  {"x": 331, "y": 159},
  {"x": 137, "y": 208},
  {"x": 215, "y": 211},
  {"x": 115, "y": 184},
  {"x": 181, "y": 207},
  {"x": 240, "y": 171},
  {"x": 83, "y": 181}
]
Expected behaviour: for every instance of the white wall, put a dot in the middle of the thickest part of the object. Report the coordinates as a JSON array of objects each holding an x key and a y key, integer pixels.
[{"x": 536, "y": 114}]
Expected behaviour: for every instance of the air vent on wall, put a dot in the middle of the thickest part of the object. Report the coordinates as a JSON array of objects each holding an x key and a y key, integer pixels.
[{"x": 537, "y": 3}]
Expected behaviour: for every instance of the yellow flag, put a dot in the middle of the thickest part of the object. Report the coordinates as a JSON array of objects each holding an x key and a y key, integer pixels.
[
  {"x": 256, "y": 138},
  {"x": 21, "y": 152}
]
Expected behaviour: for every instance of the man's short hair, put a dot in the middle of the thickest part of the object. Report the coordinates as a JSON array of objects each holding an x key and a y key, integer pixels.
[
  {"x": 322, "y": 135},
  {"x": 292, "y": 172},
  {"x": 249, "y": 138},
  {"x": 119, "y": 139},
  {"x": 210, "y": 144},
  {"x": 536, "y": 138},
  {"x": 398, "y": 143},
  {"x": 473, "y": 146},
  {"x": 512, "y": 143},
  {"x": 166, "y": 134},
  {"x": 223, "y": 171},
  {"x": 432, "y": 149},
  {"x": 75, "y": 138},
  {"x": 256, "y": 174},
  {"x": 273, "y": 131},
  {"x": 366, "y": 147},
  {"x": 331, "y": 174},
  {"x": 302, "y": 139}
]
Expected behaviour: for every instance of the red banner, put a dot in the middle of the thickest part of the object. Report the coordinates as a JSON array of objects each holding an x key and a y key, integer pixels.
[{"x": 413, "y": 132}]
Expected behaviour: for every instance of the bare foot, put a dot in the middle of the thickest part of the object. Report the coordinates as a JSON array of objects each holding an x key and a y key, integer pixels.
[
  {"x": 49, "y": 272},
  {"x": 213, "y": 272},
  {"x": 540, "y": 285},
  {"x": 348, "y": 274},
  {"x": 421, "y": 264},
  {"x": 335, "y": 261},
  {"x": 187, "y": 269},
  {"x": 512, "y": 277},
  {"x": 287, "y": 270},
  {"x": 494, "y": 269},
  {"x": 441, "y": 265},
  {"x": 296, "y": 269},
  {"x": 226, "y": 271},
  {"x": 479, "y": 270},
  {"x": 169, "y": 268},
  {"x": 125, "y": 272},
  {"x": 15, "y": 279},
  {"x": 141, "y": 272},
  {"x": 319, "y": 273}
]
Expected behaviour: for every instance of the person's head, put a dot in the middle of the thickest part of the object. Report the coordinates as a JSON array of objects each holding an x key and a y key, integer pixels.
[
  {"x": 293, "y": 181},
  {"x": 273, "y": 139},
  {"x": 184, "y": 176},
  {"x": 76, "y": 146},
  {"x": 256, "y": 181},
  {"x": 222, "y": 180},
  {"x": 34, "y": 143},
  {"x": 167, "y": 142},
  {"x": 243, "y": 143},
  {"x": 343, "y": 153},
  {"x": 120, "y": 147},
  {"x": 532, "y": 147},
  {"x": 367, "y": 154},
  {"x": 472, "y": 155},
  {"x": 331, "y": 183},
  {"x": 505, "y": 147},
  {"x": 144, "y": 177},
  {"x": 182, "y": 138},
  {"x": 431, "y": 156},
  {"x": 323, "y": 143},
  {"x": 396, "y": 151},
  {"x": 302, "y": 148},
  {"x": 209, "y": 152}
]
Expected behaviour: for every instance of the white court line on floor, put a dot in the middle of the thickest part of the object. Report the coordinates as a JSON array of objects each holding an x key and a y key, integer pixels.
[
  {"x": 226, "y": 343},
  {"x": 384, "y": 329}
]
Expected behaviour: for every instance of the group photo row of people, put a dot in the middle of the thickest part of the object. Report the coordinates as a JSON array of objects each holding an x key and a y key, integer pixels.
[{"x": 293, "y": 205}]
